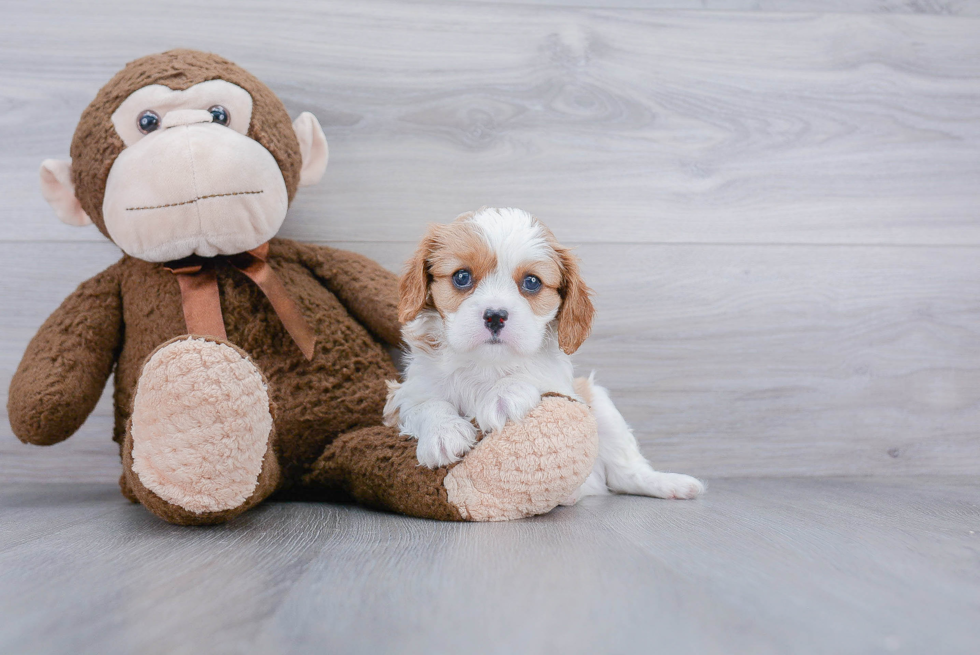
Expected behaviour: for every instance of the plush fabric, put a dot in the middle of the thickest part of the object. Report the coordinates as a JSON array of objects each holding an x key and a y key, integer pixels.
[
  {"x": 199, "y": 189},
  {"x": 96, "y": 144},
  {"x": 134, "y": 491},
  {"x": 313, "y": 146},
  {"x": 58, "y": 191},
  {"x": 201, "y": 425},
  {"x": 377, "y": 467},
  {"x": 520, "y": 471},
  {"x": 341, "y": 389},
  {"x": 66, "y": 365}
]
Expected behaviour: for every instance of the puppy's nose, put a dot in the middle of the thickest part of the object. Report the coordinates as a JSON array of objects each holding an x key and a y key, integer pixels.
[{"x": 494, "y": 320}]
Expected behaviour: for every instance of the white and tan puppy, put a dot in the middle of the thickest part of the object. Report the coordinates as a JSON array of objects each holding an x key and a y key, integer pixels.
[{"x": 492, "y": 307}]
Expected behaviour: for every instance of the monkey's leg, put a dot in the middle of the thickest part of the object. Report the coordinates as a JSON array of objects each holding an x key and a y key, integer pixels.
[
  {"x": 527, "y": 468},
  {"x": 199, "y": 446}
]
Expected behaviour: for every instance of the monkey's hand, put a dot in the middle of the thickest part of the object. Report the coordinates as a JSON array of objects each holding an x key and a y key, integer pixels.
[{"x": 67, "y": 363}]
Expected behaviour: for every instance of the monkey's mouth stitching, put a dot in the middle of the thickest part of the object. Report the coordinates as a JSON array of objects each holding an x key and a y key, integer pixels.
[{"x": 188, "y": 202}]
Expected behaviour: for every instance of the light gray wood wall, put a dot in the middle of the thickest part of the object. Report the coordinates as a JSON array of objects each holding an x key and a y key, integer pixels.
[{"x": 778, "y": 203}]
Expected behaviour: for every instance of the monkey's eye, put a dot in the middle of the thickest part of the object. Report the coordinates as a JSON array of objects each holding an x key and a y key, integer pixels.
[
  {"x": 531, "y": 284},
  {"x": 148, "y": 121},
  {"x": 462, "y": 279},
  {"x": 219, "y": 115}
]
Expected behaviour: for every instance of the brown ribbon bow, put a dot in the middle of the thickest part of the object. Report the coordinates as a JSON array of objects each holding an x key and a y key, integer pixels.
[{"x": 202, "y": 305}]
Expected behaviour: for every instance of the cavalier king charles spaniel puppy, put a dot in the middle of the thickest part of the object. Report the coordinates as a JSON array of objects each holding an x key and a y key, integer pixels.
[{"x": 492, "y": 307}]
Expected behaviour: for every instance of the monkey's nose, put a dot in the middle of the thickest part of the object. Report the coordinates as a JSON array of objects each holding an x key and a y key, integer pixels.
[
  {"x": 494, "y": 320},
  {"x": 179, "y": 117}
]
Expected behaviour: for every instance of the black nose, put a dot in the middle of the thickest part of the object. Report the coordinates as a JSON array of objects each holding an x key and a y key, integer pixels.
[{"x": 494, "y": 320}]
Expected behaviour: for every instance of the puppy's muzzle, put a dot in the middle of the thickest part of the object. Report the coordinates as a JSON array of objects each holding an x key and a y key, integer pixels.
[{"x": 494, "y": 320}]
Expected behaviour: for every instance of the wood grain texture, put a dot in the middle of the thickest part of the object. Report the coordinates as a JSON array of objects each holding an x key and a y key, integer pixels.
[
  {"x": 89, "y": 456},
  {"x": 756, "y": 566},
  {"x": 936, "y": 7},
  {"x": 616, "y": 125}
]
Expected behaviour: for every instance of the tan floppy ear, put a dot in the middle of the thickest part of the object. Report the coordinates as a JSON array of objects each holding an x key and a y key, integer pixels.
[
  {"x": 313, "y": 148},
  {"x": 413, "y": 287},
  {"x": 58, "y": 189},
  {"x": 576, "y": 311}
]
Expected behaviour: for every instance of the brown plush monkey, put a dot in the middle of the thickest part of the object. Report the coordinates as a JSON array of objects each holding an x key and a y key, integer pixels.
[{"x": 244, "y": 364}]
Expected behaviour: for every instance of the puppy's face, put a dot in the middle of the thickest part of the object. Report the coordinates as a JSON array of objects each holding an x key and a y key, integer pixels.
[{"x": 500, "y": 283}]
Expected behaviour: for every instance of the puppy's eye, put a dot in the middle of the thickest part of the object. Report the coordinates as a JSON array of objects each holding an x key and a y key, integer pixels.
[
  {"x": 462, "y": 279},
  {"x": 531, "y": 284},
  {"x": 219, "y": 115},
  {"x": 148, "y": 121}
]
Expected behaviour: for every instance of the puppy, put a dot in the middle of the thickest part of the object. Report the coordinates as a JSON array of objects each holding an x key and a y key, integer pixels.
[{"x": 492, "y": 307}]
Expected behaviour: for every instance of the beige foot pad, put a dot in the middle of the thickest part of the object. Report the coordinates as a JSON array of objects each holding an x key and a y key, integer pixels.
[
  {"x": 201, "y": 425},
  {"x": 527, "y": 468}
]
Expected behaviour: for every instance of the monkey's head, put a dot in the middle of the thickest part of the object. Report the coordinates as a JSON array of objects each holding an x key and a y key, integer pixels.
[{"x": 185, "y": 153}]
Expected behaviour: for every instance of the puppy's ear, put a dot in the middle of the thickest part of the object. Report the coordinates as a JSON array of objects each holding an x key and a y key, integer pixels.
[
  {"x": 413, "y": 287},
  {"x": 576, "y": 311}
]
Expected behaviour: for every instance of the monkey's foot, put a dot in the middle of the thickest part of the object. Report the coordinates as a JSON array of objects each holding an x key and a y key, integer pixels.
[
  {"x": 528, "y": 467},
  {"x": 523, "y": 469},
  {"x": 199, "y": 445}
]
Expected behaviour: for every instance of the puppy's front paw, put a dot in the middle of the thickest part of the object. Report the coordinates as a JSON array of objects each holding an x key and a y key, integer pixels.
[
  {"x": 670, "y": 485},
  {"x": 446, "y": 444},
  {"x": 509, "y": 401}
]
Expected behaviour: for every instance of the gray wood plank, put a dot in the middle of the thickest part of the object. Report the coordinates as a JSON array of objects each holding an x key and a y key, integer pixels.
[
  {"x": 727, "y": 360},
  {"x": 805, "y": 361},
  {"x": 563, "y": 584},
  {"x": 864, "y": 545},
  {"x": 938, "y": 7},
  {"x": 786, "y": 566},
  {"x": 61, "y": 505},
  {"x": 625, "y": 125},
  {"x": 89, "y": 456},
  {"x": 156, "y": 588}
]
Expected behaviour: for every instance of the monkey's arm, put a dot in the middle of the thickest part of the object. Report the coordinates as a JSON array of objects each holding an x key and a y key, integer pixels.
[
  {"x": 367, "y": 290},
  {"x": 67, "y": 363}
]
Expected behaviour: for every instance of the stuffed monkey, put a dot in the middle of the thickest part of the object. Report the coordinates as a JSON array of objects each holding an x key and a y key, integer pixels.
[{"x": 244, "y": 364}]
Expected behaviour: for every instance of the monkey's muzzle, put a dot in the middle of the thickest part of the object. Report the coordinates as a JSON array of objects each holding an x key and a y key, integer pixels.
[{"x": 193, "y": 188}]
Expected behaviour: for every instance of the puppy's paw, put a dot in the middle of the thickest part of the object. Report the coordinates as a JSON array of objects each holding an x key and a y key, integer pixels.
[
  {"x": 446, "y": 444},
  {"x": 669, "y": 485},
  {"x": 509, "y": 401}
]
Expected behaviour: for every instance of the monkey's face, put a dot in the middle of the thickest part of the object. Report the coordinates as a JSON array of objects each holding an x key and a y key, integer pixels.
[
  {"x": 189, "y": 180},
  {"x": 200, "y": 165}
]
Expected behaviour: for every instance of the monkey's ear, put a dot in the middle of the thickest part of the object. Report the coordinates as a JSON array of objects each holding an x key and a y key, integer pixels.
[
  {"x": 58, "y": 189},
  {"x": 313, "y": 147}
]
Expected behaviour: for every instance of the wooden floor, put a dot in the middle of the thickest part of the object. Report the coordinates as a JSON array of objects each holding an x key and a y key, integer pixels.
[{"x": 756, "y": 566}]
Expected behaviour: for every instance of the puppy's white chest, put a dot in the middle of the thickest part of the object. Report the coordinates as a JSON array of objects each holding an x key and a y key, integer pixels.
[{"x": 470, "y": 390}]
